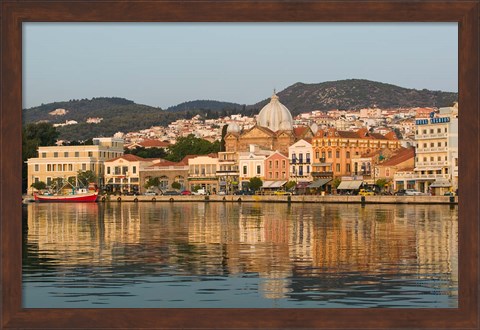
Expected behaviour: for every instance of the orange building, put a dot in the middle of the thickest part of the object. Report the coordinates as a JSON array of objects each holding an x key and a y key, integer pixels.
[
  {"x": 334, "y": 149},
  {"x": 276, "y": 167}
]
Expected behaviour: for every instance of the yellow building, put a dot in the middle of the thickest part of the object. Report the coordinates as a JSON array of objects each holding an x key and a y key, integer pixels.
[
  {"x": 334, "y": 149},
  {"x": 63, "y": 162}
]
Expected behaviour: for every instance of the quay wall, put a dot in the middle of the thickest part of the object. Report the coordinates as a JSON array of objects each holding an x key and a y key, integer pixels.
[{"x": 288, "y": 199}]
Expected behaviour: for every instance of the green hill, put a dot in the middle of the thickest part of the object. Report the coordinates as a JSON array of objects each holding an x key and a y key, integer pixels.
[{"x": 123, "y": 115}]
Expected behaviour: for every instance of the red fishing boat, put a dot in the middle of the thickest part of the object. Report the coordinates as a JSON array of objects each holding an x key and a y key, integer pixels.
[{"x": 76, "y": 198}]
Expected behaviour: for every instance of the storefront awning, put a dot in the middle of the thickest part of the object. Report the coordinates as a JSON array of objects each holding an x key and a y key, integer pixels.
[
  {"x": 319, "y": 183},
  {"x": 349, "y": 185},
  {"x": 440, "y": 184},
  {"x": 273, "y": 184}
]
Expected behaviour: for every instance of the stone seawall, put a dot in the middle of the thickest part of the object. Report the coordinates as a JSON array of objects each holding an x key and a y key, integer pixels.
[{"x": 287, "y": 199}]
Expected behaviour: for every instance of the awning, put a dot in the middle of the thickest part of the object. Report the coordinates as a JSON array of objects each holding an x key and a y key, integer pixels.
[
  {"x": 273, "y": 184},
  {"x": 319, "y": 183},
  {"x": 440, "y": 184},
  {"x": 352, "y": 184}
]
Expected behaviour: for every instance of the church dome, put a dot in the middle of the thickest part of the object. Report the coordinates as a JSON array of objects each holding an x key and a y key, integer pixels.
[
  {"x": 233, "y": 128},
  {"x": 275, "y": 116}
]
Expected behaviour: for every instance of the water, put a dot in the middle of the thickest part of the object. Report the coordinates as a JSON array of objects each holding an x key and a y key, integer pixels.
[{"x": 230, "y": 255}]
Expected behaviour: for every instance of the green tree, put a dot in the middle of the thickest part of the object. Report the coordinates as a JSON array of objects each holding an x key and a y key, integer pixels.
[
  {"x": 176, "y": 185},
  {"x": 152, "y": 182},
  {"x": 39, "y": 185},
  {"x": 34, "y": 136},
  {"x": 222, "y": 141},
  {"x": 336, "y": 182},
  {"x": 195, "y": 189},
  {"x": 86, "y": 177},
  {"x": 290, "y": 184},
  {"x": 381, "y": 183},
  {"x": 190, "y": 145},
  {"x": 255, "y": 183}
]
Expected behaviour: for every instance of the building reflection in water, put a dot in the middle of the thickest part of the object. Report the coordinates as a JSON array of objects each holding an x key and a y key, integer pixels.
[{"x": 286, "y": 246}]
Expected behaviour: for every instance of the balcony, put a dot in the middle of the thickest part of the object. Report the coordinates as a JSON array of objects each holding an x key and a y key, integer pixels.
[
  {"x": 400, "y": 176},
  {"x": 322, "y": 174},
  {"x": 293, "y": 161},
  {"x": 431, "y": 136},
  {"x": 435, "y": 149}
]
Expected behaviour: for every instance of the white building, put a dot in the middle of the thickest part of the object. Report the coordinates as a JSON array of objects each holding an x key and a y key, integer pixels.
[
  {"x": 252, "y": 164},
  {"x": 300, "y": 156}
]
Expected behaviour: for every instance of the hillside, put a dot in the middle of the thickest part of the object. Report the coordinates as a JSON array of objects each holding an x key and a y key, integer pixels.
[
  {"x": 356, "y": 94},
  {"x": 119, "y": 114}
]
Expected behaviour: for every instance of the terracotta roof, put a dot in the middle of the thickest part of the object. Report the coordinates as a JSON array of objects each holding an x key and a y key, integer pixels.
[
  {"x": 391, "y": 136},
  {"x": 150, "y": 143},
  {"x": 300, "y": 130},
  {"x": 401, "y": 156},
  {"x": 130, "y": 158}
]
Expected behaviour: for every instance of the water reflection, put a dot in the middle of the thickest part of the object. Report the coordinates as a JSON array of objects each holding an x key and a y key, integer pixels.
[{"x": 240, "y": 255}]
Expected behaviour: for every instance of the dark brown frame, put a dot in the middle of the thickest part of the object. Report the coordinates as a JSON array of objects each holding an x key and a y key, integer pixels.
[{"x": 14, "y": 12}]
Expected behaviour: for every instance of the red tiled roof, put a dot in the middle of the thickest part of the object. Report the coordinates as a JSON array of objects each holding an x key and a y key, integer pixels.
[
  {"x": 153, "y": 143},
  {"x": 130, "y": 158},
  {"x": 300, "y": 130},
  {"x": 401, "y": 156}
]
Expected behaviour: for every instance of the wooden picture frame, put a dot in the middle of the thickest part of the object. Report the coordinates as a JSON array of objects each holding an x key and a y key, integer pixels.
[{"x": 16, "y": 12}]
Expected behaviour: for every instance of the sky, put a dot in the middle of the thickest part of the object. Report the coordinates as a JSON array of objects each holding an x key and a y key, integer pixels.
[{"x": 164, "y": 64}]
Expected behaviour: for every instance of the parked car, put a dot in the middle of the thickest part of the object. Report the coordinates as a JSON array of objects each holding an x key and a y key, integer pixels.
[
  {"x": 186, "y": 192},
  {"x": 366, "y": 192},
  {"x": 171, "y": 193},
  {"x": 221, "y": 192},
  {"x": 412, "y": 192},
  {"x": 150, "y": 193},
  {"x": 243, "y": 192},
  {"x": 282, "y": 192},
  {"x": 200, "y": 191}
]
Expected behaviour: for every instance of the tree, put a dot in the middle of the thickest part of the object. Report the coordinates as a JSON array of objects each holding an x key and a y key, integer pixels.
[
  {"x": 39, "y": 185},
  {"x": 222, "y": 141},
  {"x": 86, "y": 177},
  {"x": 290, "y": 184},
  {"x": 33, "y": 136},
  {"x": 381, "y": 183},
  {"x": 176, "y": 185},
  {"x": 190, "y": 145},
  {"x": 152, "y": 182},
  {"x": 336, "y": 182},
  {"x": 255, "y": 183}
]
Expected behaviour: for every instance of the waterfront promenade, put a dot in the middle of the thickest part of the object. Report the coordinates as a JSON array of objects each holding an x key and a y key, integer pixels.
[{"x": 286, "y": 199}]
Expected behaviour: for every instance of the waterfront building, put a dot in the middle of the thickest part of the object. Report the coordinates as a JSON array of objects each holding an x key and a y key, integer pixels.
[
  {"x": 276, "y": 167},
  {"x": 202, "y": 172},
  {"x": 403, "y": 160},
  {"x": 123, "y": 173},
  {"x": 60, "y": 163},
  {"x": 167, "y": 172},
  {"x": 333, "y": 150},
  {"x": 273, "y": 130},
  {"x": 227, "y": 172},
  {"x": 252, "y": 164},
  {"x": 300, "y": 156},
  {"x": 436, "y": 160}
]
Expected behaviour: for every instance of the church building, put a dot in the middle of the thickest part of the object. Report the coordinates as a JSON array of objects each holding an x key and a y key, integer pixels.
[{"x": 273, "y": 130}]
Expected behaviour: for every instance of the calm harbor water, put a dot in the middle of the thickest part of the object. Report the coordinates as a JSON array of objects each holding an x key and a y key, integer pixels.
[{"x": 230, "y": 255}]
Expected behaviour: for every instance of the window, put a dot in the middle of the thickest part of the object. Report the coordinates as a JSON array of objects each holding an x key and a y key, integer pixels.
[
  {"x": 439, "y": 144},
  {"x": 446, "y": 170},
  {"x": 432, "y": 145},
  {"x": 44, "y": 155},
  {"x": 431, "y": 130},
  {"x": 348, "y": 167},
  {"x": 276, "y": 175},
  {"x": 445, "y": 143},
  {"x": 348, "y": 154},
  {"x": 284, "y": 163},
  {"x": 92, "y": 167},
  {"x": 439, "y": 130},
  {"x": 49, "y": 181},
  {"x": 323, "y": 154},
  {"x": 84, "y": 167},
  {"x": 424, "y": 159},
  {"x": 64, "y": 167},
  {"x": 337, "y": 153},
  {"x": 308, "y": 169},
  {"x": 37, "y": 167},
  {"x": 276, "y": 164},
  {"x": 244, "y": 170},
  {"x": 55, "y": 154},
  {"x": 431, "y": 159},
  {"x": 65, "y": 154},
  {"x": 456, "y": 161},
  {"x": 445, "y": 130},
  {"x": 270, "y": 164},
  {"x": 308, "y": 156},
  {"x": 284, "y": 175},
  {"x": 108, "y": 170},
  {"x": 49, "y": 167},
  {"x": 329, "y": 154},
  {"x": 77, "y": 154},
  {"x": 124, "y": 169},
  {"x": 317, "y": 154},
  {"x": 424, "y": 131},
  {"x": 270, "y": 175},
  {"x": 59, "y": 167},
  {"x": 37, "y": 179},
  {"x": 90, "y": 154},
  {"x": 258, "y": 169},
  {"x": 134, "y": 170},
  {"x": 424, "y": 145},
  {"x": 337, "y": 167}
]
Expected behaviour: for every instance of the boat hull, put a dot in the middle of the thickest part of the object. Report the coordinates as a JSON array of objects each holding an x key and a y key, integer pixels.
[{"x": 84, "y": 198}]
